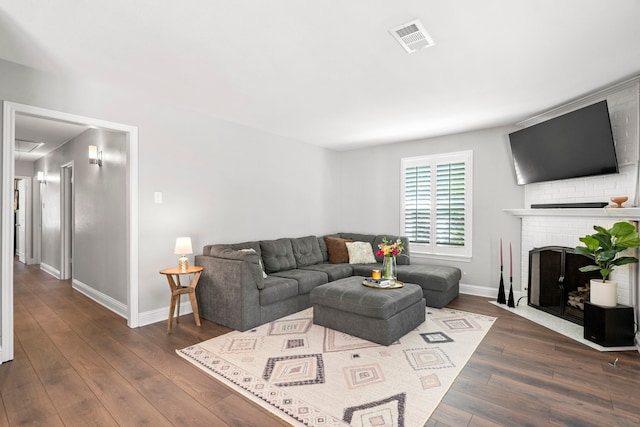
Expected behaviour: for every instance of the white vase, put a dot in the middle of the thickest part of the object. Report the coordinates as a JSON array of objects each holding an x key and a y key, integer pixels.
[{"x": 604, "y": 293}]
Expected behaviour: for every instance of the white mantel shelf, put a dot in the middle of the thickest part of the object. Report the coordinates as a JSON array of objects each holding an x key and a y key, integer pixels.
[{"x": 630, "y": 214}]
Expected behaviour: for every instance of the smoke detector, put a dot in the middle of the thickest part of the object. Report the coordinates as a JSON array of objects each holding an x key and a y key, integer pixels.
[{"x": 412, "y": 36}]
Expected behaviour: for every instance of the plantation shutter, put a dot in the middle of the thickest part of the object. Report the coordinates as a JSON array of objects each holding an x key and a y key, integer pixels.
[
  {"x": 450, "y": 204},
  {"x": 437, "y": 202},
  {"x": 417, "y": 204}
]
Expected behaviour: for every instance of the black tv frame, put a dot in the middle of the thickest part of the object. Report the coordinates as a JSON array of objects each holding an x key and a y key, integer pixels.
[{"x": 576, "y": 144}]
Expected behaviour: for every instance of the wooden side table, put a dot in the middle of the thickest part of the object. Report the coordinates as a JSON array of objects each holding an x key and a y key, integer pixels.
[{"x": 178, "y": 290}]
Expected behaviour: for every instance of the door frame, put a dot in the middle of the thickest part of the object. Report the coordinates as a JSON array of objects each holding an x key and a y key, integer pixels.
[
  {"x": 7, "y": 230},
  {"x": 66, "y": 225}
]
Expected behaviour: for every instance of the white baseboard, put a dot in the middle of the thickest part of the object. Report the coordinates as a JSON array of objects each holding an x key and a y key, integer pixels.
[
  {"x": 162, "y": 314},
  {"x": 483, "y": 291},
  {"x": 48, "y": 269},
  {"x": 104, "y": 300}
]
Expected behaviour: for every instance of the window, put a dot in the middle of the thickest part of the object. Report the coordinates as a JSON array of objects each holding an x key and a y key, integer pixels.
[{"x": 436, "y": 203}]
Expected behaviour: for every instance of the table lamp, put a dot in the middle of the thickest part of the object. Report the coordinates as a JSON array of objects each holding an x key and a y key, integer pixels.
[{"x": 183, "y": 247}]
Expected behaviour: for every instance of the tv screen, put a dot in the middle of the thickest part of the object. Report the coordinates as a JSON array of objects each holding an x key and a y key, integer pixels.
[{"x": 576, "y": 144}]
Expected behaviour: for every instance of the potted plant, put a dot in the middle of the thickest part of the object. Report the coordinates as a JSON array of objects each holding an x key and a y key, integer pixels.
[{"x": 605, "y": 247}]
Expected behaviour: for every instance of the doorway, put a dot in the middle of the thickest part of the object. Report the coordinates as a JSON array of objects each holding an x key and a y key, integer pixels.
[
  {"x": 10, "y": 110},
  {"x": 23, "y": 219},
  {"x": 20, "y": 219}
]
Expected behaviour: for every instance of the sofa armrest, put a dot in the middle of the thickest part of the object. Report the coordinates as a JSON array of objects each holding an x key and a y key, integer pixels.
[{"x": 228, "y": 290}]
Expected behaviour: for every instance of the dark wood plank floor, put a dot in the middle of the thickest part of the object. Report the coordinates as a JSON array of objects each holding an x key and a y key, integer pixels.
[{"x": 78, "y": 364}]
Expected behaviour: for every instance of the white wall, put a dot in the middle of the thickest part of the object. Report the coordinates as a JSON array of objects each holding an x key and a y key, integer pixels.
[
  {"x": 220, "y": 181},
  {"x": 100, "y": 209},
  {"x": 50, "y": 213},
  {"x": 23, "y": 168},
  {"x": 370, "y": 181}
]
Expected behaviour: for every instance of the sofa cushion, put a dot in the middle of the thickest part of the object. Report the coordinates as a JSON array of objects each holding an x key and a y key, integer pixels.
[
  {"x": 277, "y": 255},
  {"x": 323, "y": 249},
  {"x": 402, "y": 259},
  {"x": 349, "y": 295},
  {"x": 334, "y": 271},
  {"x": 253, "y": 251},
  {"x": 365, "y": 269},
  {"x": 278, "y": 289},
  {"x": 337, "y": 249},
  {"x": 306, "y": 251},
  {"x": 360, "y": 253},
  {"x": 430, "y": 277},
  {"x": 249, "y": 255},
  {"x": 307, "y": 279}
]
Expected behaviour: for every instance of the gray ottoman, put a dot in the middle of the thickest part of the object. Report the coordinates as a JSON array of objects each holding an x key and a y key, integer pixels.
[{"x": 378, "y": 315}]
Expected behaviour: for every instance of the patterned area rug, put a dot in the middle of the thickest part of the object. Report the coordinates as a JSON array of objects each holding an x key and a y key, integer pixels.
[{"x": 314, "y": 376}]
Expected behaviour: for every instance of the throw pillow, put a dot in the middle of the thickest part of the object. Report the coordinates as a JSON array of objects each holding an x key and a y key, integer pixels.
[
  {"x": 337, "y": 249},
  {"x": 360, "y": 253}
]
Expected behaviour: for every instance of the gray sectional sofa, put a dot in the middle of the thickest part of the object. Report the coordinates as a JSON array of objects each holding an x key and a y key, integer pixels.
[{"x": 247, "y": 284}]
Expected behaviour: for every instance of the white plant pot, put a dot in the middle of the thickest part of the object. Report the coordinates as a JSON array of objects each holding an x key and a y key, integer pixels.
[{"x": 604, "y": 293}]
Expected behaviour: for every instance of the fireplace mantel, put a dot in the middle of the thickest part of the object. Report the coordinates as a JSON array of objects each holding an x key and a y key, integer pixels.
[{"x": 630, "y": 214}]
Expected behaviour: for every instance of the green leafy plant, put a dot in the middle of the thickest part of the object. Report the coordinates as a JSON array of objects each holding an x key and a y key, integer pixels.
[{"x": 606, "y": 245}]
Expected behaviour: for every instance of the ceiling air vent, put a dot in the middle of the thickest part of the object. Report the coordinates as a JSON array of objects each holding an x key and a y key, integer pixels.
[
  {"x": 26, "y": 146},
  {"x": 412, "y": 36}
]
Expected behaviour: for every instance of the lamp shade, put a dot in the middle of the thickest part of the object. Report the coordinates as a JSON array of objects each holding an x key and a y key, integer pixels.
[
  {"x": 183, "y": 246},
  {"x": 93, "y": 154}
]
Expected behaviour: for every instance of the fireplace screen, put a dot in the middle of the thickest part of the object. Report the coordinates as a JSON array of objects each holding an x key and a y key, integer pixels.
[{"x": 555, "y": 283}]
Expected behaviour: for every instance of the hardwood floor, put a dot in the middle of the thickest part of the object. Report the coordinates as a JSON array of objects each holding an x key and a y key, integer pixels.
[{"x": 77, "y": 363}]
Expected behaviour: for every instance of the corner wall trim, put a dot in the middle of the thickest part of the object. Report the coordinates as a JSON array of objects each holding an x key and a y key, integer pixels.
[
  {"x": 103, "y": 299},
  {"x": 50, "y": 270},
  {"x": 161, "y": 314},
  {"x": 483, "y": 291}
]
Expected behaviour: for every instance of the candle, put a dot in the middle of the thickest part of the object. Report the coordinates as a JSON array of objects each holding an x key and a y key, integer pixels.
[
  {"x": 501, "y": 252},
  {"x": 510, "y": 261},
  {"x": 376, "y": 274}
]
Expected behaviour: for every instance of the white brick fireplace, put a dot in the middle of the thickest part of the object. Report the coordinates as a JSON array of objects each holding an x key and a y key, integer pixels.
[{"x": 563, "y": 227}]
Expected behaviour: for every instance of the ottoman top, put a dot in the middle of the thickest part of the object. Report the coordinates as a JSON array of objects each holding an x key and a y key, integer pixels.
[{"x": 350, "y": 295}]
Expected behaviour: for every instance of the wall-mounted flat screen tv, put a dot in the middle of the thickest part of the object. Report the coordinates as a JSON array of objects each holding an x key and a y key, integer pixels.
[{"x": 576, "y": 144}]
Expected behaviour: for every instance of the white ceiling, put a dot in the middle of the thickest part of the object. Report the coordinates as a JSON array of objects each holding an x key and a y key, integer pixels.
[{"x": 328, "y": 72}]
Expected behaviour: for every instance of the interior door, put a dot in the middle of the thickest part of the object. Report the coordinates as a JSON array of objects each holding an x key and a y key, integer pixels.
[{"x": 21, "y": 221}]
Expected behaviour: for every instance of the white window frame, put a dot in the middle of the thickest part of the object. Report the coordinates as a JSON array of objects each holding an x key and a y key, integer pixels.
[{"x": 433, "y": 250}]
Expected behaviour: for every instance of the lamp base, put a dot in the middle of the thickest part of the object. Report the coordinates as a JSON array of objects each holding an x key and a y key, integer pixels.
[{"x": 183, "y": 263}]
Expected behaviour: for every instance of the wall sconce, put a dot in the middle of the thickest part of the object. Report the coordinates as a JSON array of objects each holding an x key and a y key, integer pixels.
[
  {"x": 41, "y": 177},
  {"x": 95, "y": 156},
  {"x": 183, "y": 247}
]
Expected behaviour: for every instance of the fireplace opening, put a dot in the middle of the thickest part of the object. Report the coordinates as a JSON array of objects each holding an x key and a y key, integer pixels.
[{"x": 556, "y": 286}]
